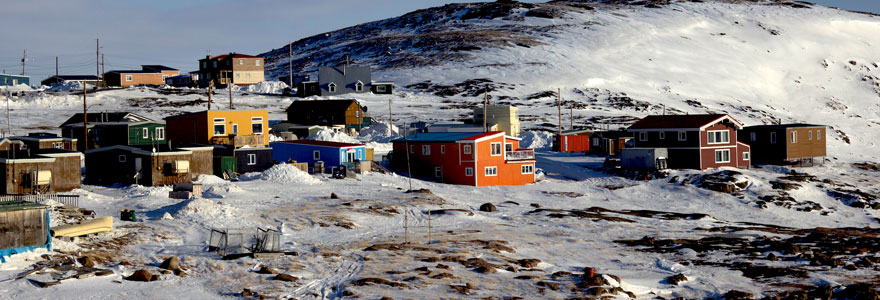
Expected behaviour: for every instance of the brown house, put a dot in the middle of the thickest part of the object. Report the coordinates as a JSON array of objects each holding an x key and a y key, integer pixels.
[
  {"x": 609, "y": 143},
  {"x": 234, "y": 68},
  {"x": 694, "y": 141},
  {"x": 44, "y": 140},
  {"x": 133, "y": 165},
  {"x": 8, "y": 144},
  {"x": 346, "y": 113},
  {"x": 41, "y": 171},
  {"x": 786, "y": 144},
  {"x": 148, "y": 75}
]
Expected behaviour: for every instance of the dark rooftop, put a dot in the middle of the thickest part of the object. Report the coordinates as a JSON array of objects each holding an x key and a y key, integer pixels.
[
  {"x": 675, "y": 121},
  {"x": 322, "y": 143}
]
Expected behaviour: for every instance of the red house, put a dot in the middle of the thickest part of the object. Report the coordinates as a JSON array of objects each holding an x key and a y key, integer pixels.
[
  {"x": 572, "y": 141},
  {"x": 468, "y": 158},
  {"x": 694, "y": 141}
]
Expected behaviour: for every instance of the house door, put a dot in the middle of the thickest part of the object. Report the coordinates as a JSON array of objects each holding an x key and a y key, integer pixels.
[
  {"x": 138, "y": 167},
  {"x": 351, "y": 156}
]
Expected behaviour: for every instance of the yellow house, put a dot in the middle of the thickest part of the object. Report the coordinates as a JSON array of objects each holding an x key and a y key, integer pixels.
[
  {"x": 505, "y": 116},
  {"x": 236, "y": 128}
]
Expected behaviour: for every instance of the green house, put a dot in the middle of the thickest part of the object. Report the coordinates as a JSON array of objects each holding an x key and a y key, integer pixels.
[{"x": 112, "y": 129}]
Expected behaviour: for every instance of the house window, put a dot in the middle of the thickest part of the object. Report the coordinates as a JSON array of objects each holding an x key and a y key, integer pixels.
[
  {"x": 468, "y": 171},
  {"x": 662, "y": 135},
  {"x": 496, "y": 149},
  {"x": 794, "y": 137},
  {"x": 773, "y": 138},
  {"x": 810, "y": 135},
  {"x": 146, "y": 133},
  {"x": 234, "y": 129},
  {"x": 412, "y": 149},
  {"x": 380, "y": 88},
  {"x": 204, "y": 65},
  {"x": 527, "y": 169},
  {"x": 442, "y": 148},
  {"x": 438, "y": 172},
  {"x": 643, "y": 136},
  {"x": 467, "y": 149},
  {"x": 746, "y": 156},
  {"x": 508, "y": 147},
  {"x": 426, "y": 149},
  {"x": 241, "y": 61},
  {"x": 595, "y": 142},
  {"x": 58, "y": 145},
  {"x": 123, "y": 158},
  {"x": 160, "y": 133},
  {"x": 331, "y": 87},
  {"x": 258, "y": 62},
  {"x": 719, "y": 137},
  {"x": 257, "y": 125},
  {"x": 491, "y": 171},
  {"x": 818, "y": 134},
  {"x": 252, "y": 159},
  {"x": 220, "y": 126},
  {"x": 359, "y": 86},
  {"x": 682, "y": 136},
  {"x": 316, "y": 155},
  {"x": 248, "y": 75},
  {"x": 722, "y": 156},
  {"x": 214, "y": 63},
  {"x": 128, "y": 78},
  {"x": 753, "y": 136},
  {"x": 237, "y": 75}
]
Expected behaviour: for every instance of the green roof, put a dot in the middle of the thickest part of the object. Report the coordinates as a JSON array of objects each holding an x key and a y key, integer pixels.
[{"x": 20, "y": 205}]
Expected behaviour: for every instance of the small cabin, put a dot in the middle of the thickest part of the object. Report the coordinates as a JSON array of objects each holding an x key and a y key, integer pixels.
[{"x": 24, "y": 227}]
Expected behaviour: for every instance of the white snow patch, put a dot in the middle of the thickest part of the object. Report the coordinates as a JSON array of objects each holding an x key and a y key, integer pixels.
[{"x": 283, "y": 173}]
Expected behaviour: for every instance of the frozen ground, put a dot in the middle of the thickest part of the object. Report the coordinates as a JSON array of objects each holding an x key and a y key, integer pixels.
[{"x": 781, "y": 232}]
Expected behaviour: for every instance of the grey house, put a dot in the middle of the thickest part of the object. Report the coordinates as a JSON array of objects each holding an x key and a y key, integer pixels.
[{"x": 342, "y": 80}]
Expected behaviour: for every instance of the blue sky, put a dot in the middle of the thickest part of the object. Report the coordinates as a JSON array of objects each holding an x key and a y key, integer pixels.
[{"x": 179, "y": 32}]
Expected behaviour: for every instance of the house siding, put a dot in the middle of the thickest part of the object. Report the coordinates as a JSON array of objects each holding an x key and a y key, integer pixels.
[
  {"x": 66, "y": 174},
  {"x": 263, "y": 159}
]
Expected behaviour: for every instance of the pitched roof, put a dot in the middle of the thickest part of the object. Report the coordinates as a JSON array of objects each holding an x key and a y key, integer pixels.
[
  {"x": 157, "y": 68},
  {"x": 447, "y": 136},
  {"x": 234, "y": 55},
  {"x": 327, "y": 106},
  {"x": 677, "y": 121},
  {"x": 131, "y": 71},
  {"x": 784, "y": 126},
  {"x": 616, "y": 134},
  {"x": 322, "y": 143},
  {"x": 75, "y": 77},
  {"x": 105, "y": 117}
]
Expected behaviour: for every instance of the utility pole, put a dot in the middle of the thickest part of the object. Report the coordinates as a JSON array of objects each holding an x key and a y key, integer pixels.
[
  {"x": 559, "y": 109},
  {"x": 23, "y": 62},
  {"x": 97, "y": 62},
  {"x": 103, "y": 84},
  {"x": 485, "y": 105},
  {"x": 210, "y": 85},
  {"x": 229, "y": 87},
  {"x": 571, "y": 114},
  {"x": 390, "y": 122},
  {"x": 290, "y": 65},
  {"x": 8, "y": 123},
  {"x": 56, "y": 68},
  {"x": 85, "y": 121}
]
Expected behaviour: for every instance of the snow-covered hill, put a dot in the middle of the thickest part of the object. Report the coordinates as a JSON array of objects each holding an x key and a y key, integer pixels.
[{"x": 762, "y": 61}]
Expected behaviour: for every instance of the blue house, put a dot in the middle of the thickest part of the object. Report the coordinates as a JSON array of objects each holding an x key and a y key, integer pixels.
[
  {"x": 309, "y": 151},
  {"x": 11, "y": 80}
]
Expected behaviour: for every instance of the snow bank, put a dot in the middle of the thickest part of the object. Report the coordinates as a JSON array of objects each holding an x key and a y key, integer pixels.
[
  {"x": 205, "y": 208},
  {"x": 332, "y": 136},
  {"x": 65, "y": 86},
  {"x": 265, "y": 87},
  {"x": 283, "y": 173},
  {"x": 538, "y": 140},
  {"x": 378, "y": 132}
]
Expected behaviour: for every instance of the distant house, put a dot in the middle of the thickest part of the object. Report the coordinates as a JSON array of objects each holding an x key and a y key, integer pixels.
[
  {"x": 148, "y": 75},
  {"x": 40, "y": 171},
  {"x": 341, "y": 80},
  {"x": 478, "y": 159},
  {"x": 459, "y": 127},
  {"x": 694, "y": 141},
  {"x": 25, "y": 228},
  {"x": 347, "y": 114},
  {"x": 11, "y": 80},
  {"x": 113, "y": 128},
  {"x": 240, "y": 137},
  {"x": 231, "y": 68},
  {"x": 503, "y": 115},
  {"x": 8, "y": 144},
  {"x": 185, "y": 80},
  {"x": 63, "y": 79},
  {"x": 144, "y": 166},
  {"x": 310, "y": 151},
  {"x": 44, "y": 140},
  {"x": 609, "y": 143},
  {"x": 572, "y": 141},
  {"x": 786, "y": 143},
  {"x": 301, "y": 131}
]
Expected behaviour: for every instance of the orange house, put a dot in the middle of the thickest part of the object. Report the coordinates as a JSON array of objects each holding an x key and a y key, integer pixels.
[
  {"x": 236, "y": 128},
  {"x": 467, "y": 158},
  {"x": 148, "y": 75}
]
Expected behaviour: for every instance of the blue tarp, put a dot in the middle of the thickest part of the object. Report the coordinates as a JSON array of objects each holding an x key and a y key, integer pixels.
[{"x": 4, "y": 253}]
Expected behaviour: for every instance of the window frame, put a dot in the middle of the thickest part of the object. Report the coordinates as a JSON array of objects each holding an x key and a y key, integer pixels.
[
  {"x": 240, "y": 61},
  {"x": 753, "y": 136},
  {"x": 682, "y": 136},
  {"x": 710, "y": 136},
  {"x": 442, "y": 149},
  {"x": 662, "y": 135},
  {"x": 252, "y": 159},
  {"x": 159, "y": 133},
  {"x": 493, "y": 173},
  {"x": 818, "y": 134},
  {"x": 129, "y": 78},
  {"x": 331, "y": 87},
  {"x": 257, "y": 62},
  {"x": 469, "y": 172},
  {"x": 438, "y": 172},
  {"x": 773, "y": 137},
  {"x": 717, "y": 151},
  {"x": 426, "y": 149},
  {"x": 257, "y": 121},
  {"x": 510, "y": 149},
  {"x": 492, "y": 149},
  {"x": 809, "y": 135},
  {"x": 123, "y": 158},
  {"x": 219, "y": 122},
  {"x": 467, "y": 149},
  {"x": 146, "y": 132},
  {"x": 412, "y": 149},
  {"x": 643, "y": 136},
  {"x": 595, "y": 142},
  {"x": 380, "y": 88},
  {"x": 794, "y": 137},
  {"x": 527, "y": 169},
  {"x": 359, "y": 86},
  {"x": 316, "y": 155},
  {"x": 747, "y": 155}
]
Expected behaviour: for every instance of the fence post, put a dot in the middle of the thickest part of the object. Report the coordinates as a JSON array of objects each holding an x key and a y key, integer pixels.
[
  {"x": 429, "y": 227},
  {"x": 405, "y": 228}
]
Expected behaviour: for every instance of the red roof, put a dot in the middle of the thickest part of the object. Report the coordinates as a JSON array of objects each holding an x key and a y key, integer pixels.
[
  {"x": 234, "y": 55},
  {"x": 322, "y": 143},
  {"x": 676, "y": 121},
  {"x": 481, "y": 135}
]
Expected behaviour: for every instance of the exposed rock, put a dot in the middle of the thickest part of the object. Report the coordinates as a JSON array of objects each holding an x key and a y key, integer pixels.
[
  {"x": 171, "y": 263},
  {"x": 551, "y": 285},
  {"x": 738, "y": 295},
  {"x": 676, "y": 279},
  {"x": 142, "y": 275},
  {"x": 373, "y": 280},
  {"x": 488, "y": 207},
  {"x": 285, "y": 277},
  {"x": 87, "y": 261},
  {"x": 528, "y": 263},
  {"x": 266, "y": 270},
  {"x": 783, "y": 185},
  {"x": 334, "y": 196}
]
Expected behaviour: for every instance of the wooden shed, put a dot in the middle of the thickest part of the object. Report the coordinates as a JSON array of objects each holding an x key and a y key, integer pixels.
[
  {"x": 572, "y": 141},
  {"x": 133, "y": 165},
  {"x": 24, "y": 227},
  {"x": 40, "y": 171}
]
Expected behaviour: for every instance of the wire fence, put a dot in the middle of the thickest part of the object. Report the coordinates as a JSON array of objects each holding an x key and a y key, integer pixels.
[{"x": 72, "y": 200}]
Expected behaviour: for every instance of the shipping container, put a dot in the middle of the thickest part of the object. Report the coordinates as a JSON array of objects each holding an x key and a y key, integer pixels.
[{"x": 644, "y": 158}]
